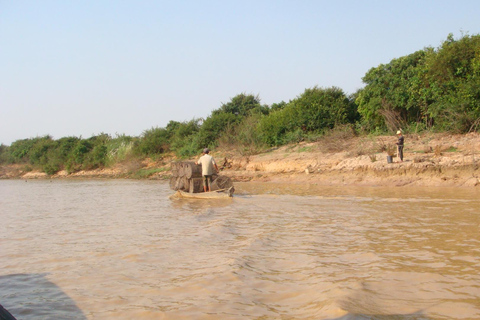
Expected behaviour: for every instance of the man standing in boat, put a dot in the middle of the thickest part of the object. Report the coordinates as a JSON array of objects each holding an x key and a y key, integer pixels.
[{"x": 208, "y": 166}]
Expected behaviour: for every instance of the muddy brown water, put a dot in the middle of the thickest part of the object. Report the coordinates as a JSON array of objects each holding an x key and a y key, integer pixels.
[{"x": 121, "y": 249}]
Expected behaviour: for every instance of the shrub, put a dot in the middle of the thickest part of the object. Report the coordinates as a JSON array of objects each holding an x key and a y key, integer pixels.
[
  {"x": 183, "y": 137},
  {"x": 65, "y": 146},
  {"x": 119, "y": 149},
  {"x": 316, "y": 110},
  {"x": 153, "y": 141},
  {"x": 294, "y": 136},
  {"x": 438, "y": 88},
  {"x": 334, "y": 140},
  {"x": 4, "y": 153},
  {"x": 51, "y": 168},
  {"x": 273, "y": 127},
  {"x": 82, "y": 148},
  {"x": 243, "y": 137},
  {"x": 38, "y": 152},
  {"x": 189, "y": 148},
  {"x": 242, "y": 105},
  {"x": 96, "y": 158},
  {"x": 20, "y": 149},
  {"x": 214, "y": 126}
]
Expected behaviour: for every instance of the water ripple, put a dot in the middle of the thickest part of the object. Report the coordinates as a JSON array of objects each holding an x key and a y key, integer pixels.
[{"x": 122, "y": 250}]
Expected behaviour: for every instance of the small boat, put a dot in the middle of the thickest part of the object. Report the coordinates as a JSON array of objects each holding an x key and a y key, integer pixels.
[{"x": 216, "y": 194}]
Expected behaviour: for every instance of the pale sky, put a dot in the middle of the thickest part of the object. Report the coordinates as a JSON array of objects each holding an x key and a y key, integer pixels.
[{"x": 80, "y": 68}]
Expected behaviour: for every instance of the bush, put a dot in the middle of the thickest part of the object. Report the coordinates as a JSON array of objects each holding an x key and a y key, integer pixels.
[
  {"x": 316, "y": 110},
  {"x": 82, "y": 148},
  {"x": 273, "y": 127},
  {"x": 65, "y": 146},
  {"x": 152, "y": 142},
  {"x": 119, "y": 149},
  {"x": 20, "y": 149},
  {"x": 189, "y": 148},
  {"x": 244, "y": 137},
  {"x": 184, "y": 137},
  {"x": 214, "y": 126},
  {"x": 334, "y": 140},
  {"x": 294, "y": 136},
  {"x": 438, "y": 88},
  {"x": 242, "y": 105},
  {"x": 51, "y": 168},
  {"x": 38, "y": 152},
  {"x": 96, "y": 158},
  {"x": 4, "y": 153}
]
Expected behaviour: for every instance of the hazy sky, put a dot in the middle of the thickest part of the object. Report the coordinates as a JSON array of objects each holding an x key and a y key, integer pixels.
[{"x": 80, "y": 68}]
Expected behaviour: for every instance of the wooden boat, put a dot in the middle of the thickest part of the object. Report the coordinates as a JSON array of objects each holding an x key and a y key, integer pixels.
[
  {"x": 187, "y": 181},
  {"x": 216, "y": 194}
]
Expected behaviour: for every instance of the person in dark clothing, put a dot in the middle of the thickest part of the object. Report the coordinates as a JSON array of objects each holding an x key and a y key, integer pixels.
[{"x": 400, "y": 142}]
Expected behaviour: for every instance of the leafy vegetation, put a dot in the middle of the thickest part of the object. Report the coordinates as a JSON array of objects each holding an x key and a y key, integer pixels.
[
  {"x": 315, "y": 111},
  {"x": 435, "y": 89}
]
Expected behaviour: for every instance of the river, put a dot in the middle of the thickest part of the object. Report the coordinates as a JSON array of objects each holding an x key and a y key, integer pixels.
[{"x": 121, "y": 249}]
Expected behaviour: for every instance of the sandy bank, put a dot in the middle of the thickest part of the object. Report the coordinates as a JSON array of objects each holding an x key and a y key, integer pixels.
[{"x": 429, "y": 160}]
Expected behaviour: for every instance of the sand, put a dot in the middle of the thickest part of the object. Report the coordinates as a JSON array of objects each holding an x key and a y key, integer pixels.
[{"x": 429, "y": 160}]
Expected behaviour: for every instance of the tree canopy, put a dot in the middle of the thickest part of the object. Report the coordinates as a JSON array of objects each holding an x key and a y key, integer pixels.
[{"x": 438, "y": 88}]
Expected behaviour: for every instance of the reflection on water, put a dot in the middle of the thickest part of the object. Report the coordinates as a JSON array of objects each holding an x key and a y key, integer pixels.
[{"x": 116, "y": 249}]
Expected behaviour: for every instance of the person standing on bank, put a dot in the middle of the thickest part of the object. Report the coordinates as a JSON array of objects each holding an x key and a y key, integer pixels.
[
  {"x": 400, "y": 142},
  {"x": 208, "y": 165}
]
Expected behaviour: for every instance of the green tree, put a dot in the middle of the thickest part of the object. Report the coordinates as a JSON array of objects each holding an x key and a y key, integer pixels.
[
  {"x": 65, "y": 146},
  {"x": 227, "y": 117},
  {"x": 184, "y": 136},
  {"x": 153, "y": 142},
  {"x": 244, "y": 137},
  {"x": 96, "y": 158},
  {"x": 214, "y": 126},
  {"x": 20, "y": 149},
  {"x": 316, "y": 110},
  {"x": 4, "y": 154},
  {"x": 435, "y": 87},
  {"x": 321, "y": 108},
  {"x": 453, "y": 77},
  {"x": 273, "y": 128},
  {"x": 392, "y": 95},
  {"x": 58, "y": 156},
  {"x": 38, "y": 154},
  {"x": 79, "y": 154},
  {"x": 242, "y": 105},
  {"x": 277, "y": 106}
]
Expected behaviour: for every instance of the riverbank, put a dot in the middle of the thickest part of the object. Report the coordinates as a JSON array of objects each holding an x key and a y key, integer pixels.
[{"x": 429, "y": 160}]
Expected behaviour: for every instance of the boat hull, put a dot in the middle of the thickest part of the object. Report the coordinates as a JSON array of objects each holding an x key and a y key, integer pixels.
[{"x": 217, "y": 194}]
